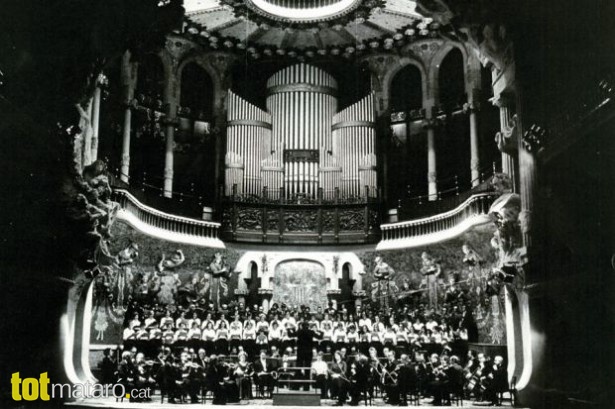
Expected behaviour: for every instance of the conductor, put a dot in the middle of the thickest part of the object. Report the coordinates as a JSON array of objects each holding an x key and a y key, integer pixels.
[{"x": 305, "y": 344}]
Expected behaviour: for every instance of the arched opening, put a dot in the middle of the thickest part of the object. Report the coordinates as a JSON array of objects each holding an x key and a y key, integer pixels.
[
  {"x": 147, "y": 150},
  {"x": 194, "y": 159},
  {"x": 453, "y": 138},
  {"x": 407, "y": 159}
]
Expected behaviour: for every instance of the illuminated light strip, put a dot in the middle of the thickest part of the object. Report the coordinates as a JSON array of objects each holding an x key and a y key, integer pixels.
[
  {"x": 526, "y": 340},
  {"x": 85, "y": 336},
  {"x": 168, "y": 235},
  {"x": 432, "y": 238},
  {"x": 67, "y": 335},
  {"x": 304, "y": 14}
]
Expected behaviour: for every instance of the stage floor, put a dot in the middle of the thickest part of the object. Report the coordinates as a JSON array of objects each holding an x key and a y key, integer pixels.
[{"x": 261, "y": 403}]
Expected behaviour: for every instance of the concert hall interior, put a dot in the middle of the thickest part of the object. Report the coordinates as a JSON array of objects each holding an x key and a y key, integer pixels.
[{"x": 307, "y": 203}]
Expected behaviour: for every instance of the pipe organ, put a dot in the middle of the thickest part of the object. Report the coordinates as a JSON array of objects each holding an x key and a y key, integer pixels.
[{"x": 301, "y": 144}]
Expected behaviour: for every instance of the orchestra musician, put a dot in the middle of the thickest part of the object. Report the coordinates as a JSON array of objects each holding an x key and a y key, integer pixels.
[
  {"x": 215, "y": 378},
  {"x": 406, "y": 379},
  {"x": 390, "y": 379},
  {"x": 439, "y": 378},
  {"x": 264, "y": 373},
  {"x": 455, "y": 376},
  {"x": 495, "y": 381},
  {"x": 339, "y": 381},
  {"x": 167, "y": 379},
  {"x": 475, "y": 385},
  {"x": 243, "y": 376},
  {"x": 191, "y": 377},
  {"x": 320, "y": 369},
  {"x": 358, "y": 375}
]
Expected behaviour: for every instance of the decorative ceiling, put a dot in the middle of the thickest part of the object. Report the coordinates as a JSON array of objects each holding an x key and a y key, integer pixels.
[{"x": 305, "y": 29}]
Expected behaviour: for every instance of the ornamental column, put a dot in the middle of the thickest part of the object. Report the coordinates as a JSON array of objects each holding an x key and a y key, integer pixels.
[
  {"x": 129, "y": 80},
  {"x": 506, "y": 139},
  {"x": 473, "y": 88},
  {"x": 474, "y": 156},
  {"x": 87, "y": 132},
  {"x": 432, "y": 175},
  {"x": 96, "y": 117},
  {"x": 170, "y": 99}
]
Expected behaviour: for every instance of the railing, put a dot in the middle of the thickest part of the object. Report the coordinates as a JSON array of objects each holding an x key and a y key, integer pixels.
[
  {"x": 443, "y": 226},
  {"x": 148, "y": 191},
  {"x": 319, "y": 223},
  {"x": 452, "y": 194},
  {"x": 421, "y": 206},
  {"x": 166, "y": 226}
]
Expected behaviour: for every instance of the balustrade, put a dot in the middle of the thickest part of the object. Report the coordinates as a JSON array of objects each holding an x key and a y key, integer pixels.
[{"x": 166, "y": 226}]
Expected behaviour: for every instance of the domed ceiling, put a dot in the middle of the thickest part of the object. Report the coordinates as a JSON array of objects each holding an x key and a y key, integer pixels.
[{"x": 308, "y": 28}]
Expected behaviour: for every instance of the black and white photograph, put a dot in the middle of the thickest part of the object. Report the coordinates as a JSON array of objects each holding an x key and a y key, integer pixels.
[{"x": 295, "y": 203}]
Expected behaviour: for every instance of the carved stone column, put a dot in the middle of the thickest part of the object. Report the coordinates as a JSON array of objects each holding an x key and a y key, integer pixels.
[
  {"x": 96, "y": 117},
  {"x": 129, "y": 80},
  {"x": 473, "y": 90},
  {"x": 430, "y": 126},
  {"x": 530, "y": 142},
  {"x": 171, "y": 101},
  {"x": 472, "y": 108},
  {"x": 506, "y": 139},
  {"x": 87, "y": 134},
  {"x": 432, "y": 174}
]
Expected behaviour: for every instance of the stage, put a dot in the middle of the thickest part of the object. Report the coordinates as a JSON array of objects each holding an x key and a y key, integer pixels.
[{"x": 261, "y": 403}]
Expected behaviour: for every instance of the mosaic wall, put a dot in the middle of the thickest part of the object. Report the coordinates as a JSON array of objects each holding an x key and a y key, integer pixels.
[
  {"x": 154, "y": 272},
  {"x": 408, "y": 278},
  {"x": 300, "y": 282}
]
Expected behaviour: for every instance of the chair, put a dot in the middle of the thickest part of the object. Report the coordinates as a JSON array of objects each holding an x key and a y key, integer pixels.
[
  {"x": 455, "y": 398},
  {"x": 365, "y": 396},
  {"x": 512, "y": 393},
  {"x": 204, "y": 392},
  {"x": 413, "y": 397}
]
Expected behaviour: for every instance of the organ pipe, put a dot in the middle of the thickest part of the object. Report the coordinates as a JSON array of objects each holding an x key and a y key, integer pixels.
[{"x": 301, "y": 143}]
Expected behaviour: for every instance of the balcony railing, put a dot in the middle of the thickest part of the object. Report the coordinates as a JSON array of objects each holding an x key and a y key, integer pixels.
[
  {"x": 292, "y": 223},
  {"x": 474, "y": 211},
  {"x": 166, "y": 226}
]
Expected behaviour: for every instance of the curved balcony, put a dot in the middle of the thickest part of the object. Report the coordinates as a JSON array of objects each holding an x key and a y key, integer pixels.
[
  {"x": 166, "y": 226},
  {"x": 316, "y": 223},
  {"x": 419, "y": 232}
]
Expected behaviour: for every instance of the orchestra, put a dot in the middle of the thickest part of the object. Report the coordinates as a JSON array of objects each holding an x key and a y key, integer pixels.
[{"x": 345, "y": 378}]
